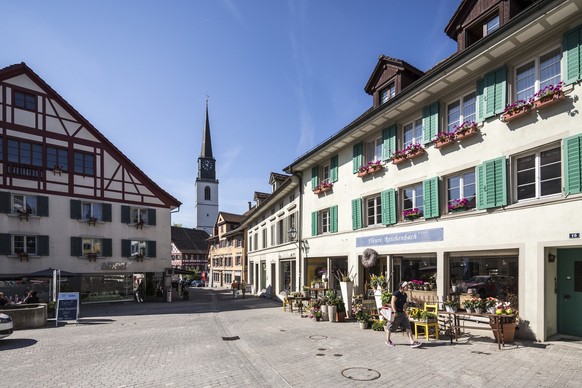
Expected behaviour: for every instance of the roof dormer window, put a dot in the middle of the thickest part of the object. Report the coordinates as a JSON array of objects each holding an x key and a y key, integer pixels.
[
  {"x": 387, "y": 93},
  {"x": 491, "y": 25}
]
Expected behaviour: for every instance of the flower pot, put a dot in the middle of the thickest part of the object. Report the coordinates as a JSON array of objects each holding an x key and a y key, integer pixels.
[
  {"x": 347, "y": 289},
  {"x": 317, "y": 319},
  {"x": 364, "y": 325},
  {"x": 478, "y": 310},
  {"x": 325, "y": 312},
  {"x": 508, "y": 332},
  {"x": 549, "y": 100},
  {"x": 466, "y": 133},
  {"x": 443, "y": 143},
  {"x": 416, "y": 154},
  {"x": 362, "y": 173},
  {"x": 332, "y": 313},
  {"x": 341, "y": 316},
  {"x": 399, "y": 160},
  {"x": 378, "y": 298},
  {"x": 469, "y": 310},
  {"x": 514, "y": 115},
  {"x": 451, "y": 309}
]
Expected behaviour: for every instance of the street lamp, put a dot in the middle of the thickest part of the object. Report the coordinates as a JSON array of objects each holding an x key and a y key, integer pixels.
[{"x": 302, "y": 244}]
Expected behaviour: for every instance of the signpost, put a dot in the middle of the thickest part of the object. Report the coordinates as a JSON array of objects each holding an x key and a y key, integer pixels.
[{"x": 67, "y": 307}]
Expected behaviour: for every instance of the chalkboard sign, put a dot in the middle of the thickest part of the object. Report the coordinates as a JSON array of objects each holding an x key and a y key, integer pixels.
[{"x": 67, "y": 307}]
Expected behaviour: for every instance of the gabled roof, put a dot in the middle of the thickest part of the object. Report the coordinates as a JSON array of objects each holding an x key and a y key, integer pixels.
[
  {"x": 275, "y": 177},
  {"x": 187, "y": 240},
  {"x": 259, "y": 196},
  {"x": 383, "y": 60},
  {"x": 22, "y": 68},
  {"x": 230, "y": 217}
]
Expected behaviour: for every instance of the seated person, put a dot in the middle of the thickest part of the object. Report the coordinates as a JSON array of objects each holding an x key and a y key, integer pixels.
[
  {"x": 3, "y": 299},
  {"x": 31, "y": 298}
]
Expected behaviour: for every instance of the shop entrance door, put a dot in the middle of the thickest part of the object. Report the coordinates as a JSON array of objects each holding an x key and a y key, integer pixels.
[{"x": 569, "y": 291}]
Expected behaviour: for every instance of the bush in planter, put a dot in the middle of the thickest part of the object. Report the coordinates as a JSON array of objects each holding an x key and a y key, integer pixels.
[
  {"x": 451, "y": 305},
  {"x": 386, "y": 297},
  {"x": 378, "y": 324}
]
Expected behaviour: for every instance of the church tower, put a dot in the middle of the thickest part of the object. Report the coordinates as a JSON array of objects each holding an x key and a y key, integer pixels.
[{"x": 206, "y": 185}]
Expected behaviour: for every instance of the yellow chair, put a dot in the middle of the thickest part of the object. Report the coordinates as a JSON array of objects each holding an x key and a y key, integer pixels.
[{"x": 427, "y": 326}]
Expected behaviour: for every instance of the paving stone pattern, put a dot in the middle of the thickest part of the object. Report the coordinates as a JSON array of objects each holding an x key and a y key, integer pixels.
[{"x": 213, "y": 340}]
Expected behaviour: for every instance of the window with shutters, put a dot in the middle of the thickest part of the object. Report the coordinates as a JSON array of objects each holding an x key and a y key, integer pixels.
[
  {"x": 24, "y": 244},
  {"x": 92, "y": 246},
  {"x": 538, "y": 174},
  {"x": 373, "y": 150},
  {"x": 324, "y": 173},
  {"x": 373, "y": 210},
  {"x": 413, "y": 198},
  {"x": 138, "y": 248},
  {"x": 139, "y": 215},
  {"x": 24, "y": 204},
  {"x": 412, "y": 133},
  {"x": 461, "y": 191},
  {"x": 537, "y": 74},
  {"x": 460, "y": 111},
  {"x": 324, "y": 221},
  {"x": 91, "y": 210}
]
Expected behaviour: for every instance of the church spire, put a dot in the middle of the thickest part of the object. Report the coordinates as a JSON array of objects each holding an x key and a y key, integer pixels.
[{"x": 206, "y": 151}]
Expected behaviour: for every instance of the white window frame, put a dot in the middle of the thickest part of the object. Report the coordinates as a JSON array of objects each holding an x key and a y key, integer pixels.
[
  {"x": 325, "y": 173},
  {"x": 28, "y": 245},
  {"x": 91, "y": 210},
  {"x": 412, "y": 133},
  {"x": 463, "y": 186},
  {"x": 372, "y": 210},
  {"x": 92, "y": 245},
  {"x": 387, "y": 93},
  {"x": 488, "y": 28},
  {"x": 530, "y": 90},
  {"x": 139, "y": 214},
  {"x": 139, "y": 247},
  {"x": 537, "y": 172},
  {"x": 416, "y": 197},
  {"x": 373, "y": 150},
  {"x": 465, "y": 103},
  {"x": 29, "y": 201},
  {"x": 324, "y": 221}
]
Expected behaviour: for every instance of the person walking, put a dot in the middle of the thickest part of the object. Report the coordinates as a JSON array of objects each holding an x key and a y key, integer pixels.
[
  {"x": 234, "y": 287},
  {"x": 400, "y": 319}
]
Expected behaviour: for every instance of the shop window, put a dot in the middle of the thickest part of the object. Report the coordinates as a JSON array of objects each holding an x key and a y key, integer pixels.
[{"x": 491, "y": 276}]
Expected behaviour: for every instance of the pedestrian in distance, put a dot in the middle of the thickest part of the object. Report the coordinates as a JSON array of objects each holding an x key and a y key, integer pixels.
[
  {"x": 32, "y": 297},
  {"x": 400, "y": 319},
  {"x": 234, "y": 287}
]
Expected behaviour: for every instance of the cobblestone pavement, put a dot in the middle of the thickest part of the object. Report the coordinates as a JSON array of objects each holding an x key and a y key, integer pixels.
[{"x": 213, "y": 340}]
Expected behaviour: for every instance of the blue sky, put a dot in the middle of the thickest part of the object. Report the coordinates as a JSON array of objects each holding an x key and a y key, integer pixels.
[{"x": 281, "y": 75}]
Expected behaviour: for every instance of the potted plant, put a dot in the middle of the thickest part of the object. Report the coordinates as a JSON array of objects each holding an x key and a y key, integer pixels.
[
  {"x": 427, "y": 316},
  {"x": 412, "y": 214},
  {"x": 323, "y": 187},
  {"x": 479, "y": 305},
  {"x": 341, "y": 310},
  {"x": 442, "y": 139},
  {"x": 362, "y": 316},
  {"x": 346, "y": 287},
  {"x": 468, "y": 305},
  {"x": 399, "y": 156},
  {"x": 549, "y": 95},
  {"x": 508, "y": 318},
  {"x": 516, "y": 110},
  {"x": 378, "y": 281},
  {"x": 458, "y": 205},
  {"x": 491, "y": 304},
  {"x": 378, "y": 324},
  {"x": 451, "y": 305},
  {"x": 465, "y": 129}
]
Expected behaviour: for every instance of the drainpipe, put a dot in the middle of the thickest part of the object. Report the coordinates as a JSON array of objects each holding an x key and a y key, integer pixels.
[{"x": 300, "y": 264}]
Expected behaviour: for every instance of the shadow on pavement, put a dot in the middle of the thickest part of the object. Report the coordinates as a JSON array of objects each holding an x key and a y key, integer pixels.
[{"x": 10, "y": 344}]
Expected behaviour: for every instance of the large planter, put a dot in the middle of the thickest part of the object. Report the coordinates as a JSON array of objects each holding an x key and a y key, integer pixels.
[
  {"x": 325, "y": 312},
  {"x": 341, "y": 316},
  {"x": 347, "y": 289},
  {"x": 549, "y": 100},
  {"x": 443, "y": 143},
  {"x": 399, "y": 160},
  {"x": 364, "y": 325},
  {"x": 378, "y": 298},
  {"x": 508, "y": 332},
  {"x": 332, "y": 313}
]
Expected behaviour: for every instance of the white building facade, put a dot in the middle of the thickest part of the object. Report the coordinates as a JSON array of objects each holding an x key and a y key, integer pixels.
[{"x": 501, "y": 202}]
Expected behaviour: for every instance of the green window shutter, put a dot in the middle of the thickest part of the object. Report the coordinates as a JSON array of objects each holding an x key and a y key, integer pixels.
[
  {"x": 314, "y": 223},
  {"x": 5, "y": 244},
  {"x": 42, "y": 208},
  {"x": 357, "y": 158},
  {"x": 76, "y": 210},
  {"x": 333, "y": 219},
  {"x": 573, "y": 164},
  {"x": 480, "y": 100},
  {"x": 388, "y": 198},
  {"x": 430, "y": 122},
  {"x": 572, "y": 47},
  {"x": 5, "y": 205},
  {"x": 500, "y": 90},
  {"x": 106, "y": 212},
  {"x": 333, "y": 169},
  {"x": 356, "y": 214},
  {"x": 151, "y": 216},
  {"x": 493, "y": 96},
  {"x": 76, "y": 246},
  {"x": 42, "y": 248},
  {"x": 430, "y": 188},
  {"x": 388, "y": 141},
  {"x": 151, "y": 247},
  {"x": 492, "y": 183},
  {"x": 314, "y": 177},
  {"x": 107, "y": 246},
  {"x": 125, "y": 248},
  {"x": 125, "y": 214}
]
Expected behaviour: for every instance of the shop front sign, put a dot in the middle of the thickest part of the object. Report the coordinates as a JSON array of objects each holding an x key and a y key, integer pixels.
[{"x": 417, "y": 236}]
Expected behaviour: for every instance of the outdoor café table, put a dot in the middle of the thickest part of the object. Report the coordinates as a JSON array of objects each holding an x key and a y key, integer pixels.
[{"x": 452, "y": 324}]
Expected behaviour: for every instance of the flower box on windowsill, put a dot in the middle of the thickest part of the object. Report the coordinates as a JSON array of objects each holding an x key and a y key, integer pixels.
[
  {"x": 546, "y": 101},
  {"x": 92, "y": 221},
  {"x": 399, "y": 160},
  {"x": 23, "y": 256},
  {"x": 92, "y": 256},
  {"x": 139, "y": 224},
  {"x": 515, "y": 114},
  {"x": 322, "y": 189},
  {"x": 138, "y": 258},
  {"x": 443, "y": 143},
  {"x": 370, "y": 170},
  {"x": 413, "y": 154},
  {"x": 465, "y": 133},
  {"x": 23, "y": 215}
]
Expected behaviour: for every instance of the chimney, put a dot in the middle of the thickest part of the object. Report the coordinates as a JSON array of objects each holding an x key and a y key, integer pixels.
[{"x": 249, "y": 205}]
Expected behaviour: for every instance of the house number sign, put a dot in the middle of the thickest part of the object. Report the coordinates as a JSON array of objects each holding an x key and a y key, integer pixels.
[{"x": 574, "y": 235}]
